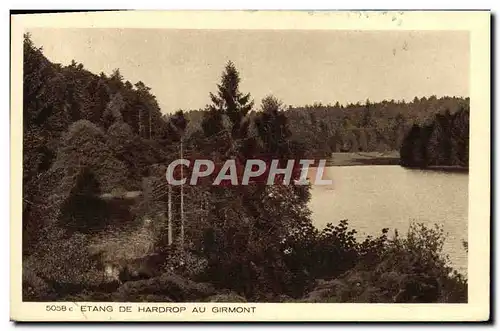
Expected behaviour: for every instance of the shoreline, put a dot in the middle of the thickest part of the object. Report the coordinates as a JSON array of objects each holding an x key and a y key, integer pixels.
[
  {"x": 383, "y": 159},
  {"x": 458, "y": 169},
  {"x": 363, "y": 159}
]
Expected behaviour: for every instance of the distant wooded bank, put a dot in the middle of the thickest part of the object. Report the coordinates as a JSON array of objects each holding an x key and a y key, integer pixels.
[
  {"x": 442, "y": 143},
  {"x": 321, "y": 130}
]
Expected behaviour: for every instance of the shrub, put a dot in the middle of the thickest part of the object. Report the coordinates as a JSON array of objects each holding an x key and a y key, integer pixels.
[
  {"x": 168, "y": 285},
  {"x": 64, "y": 263},
  {"x": 410, "y": 269}
]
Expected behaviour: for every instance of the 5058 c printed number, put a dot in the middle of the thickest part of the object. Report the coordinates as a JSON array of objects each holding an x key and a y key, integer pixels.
[{"x": 57, "y": 308}]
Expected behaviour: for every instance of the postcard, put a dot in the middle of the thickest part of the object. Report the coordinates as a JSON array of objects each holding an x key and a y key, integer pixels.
[{"x": 250, "y": 166}]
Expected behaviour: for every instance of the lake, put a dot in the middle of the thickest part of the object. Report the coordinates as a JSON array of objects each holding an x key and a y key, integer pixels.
[{"x": 376, "y": 197}]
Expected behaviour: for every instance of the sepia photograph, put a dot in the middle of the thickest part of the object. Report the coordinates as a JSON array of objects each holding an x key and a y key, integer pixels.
[{"x": 239, "y": 166}]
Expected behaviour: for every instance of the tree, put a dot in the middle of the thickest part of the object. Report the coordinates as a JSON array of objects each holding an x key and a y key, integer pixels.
[
  {"x": 460, "y": 137},
  {"x": 113, "y": 112},
  {"x": 212, "y": 123},
  {"x": 363, "y": 140},
  {"x": 146, "y": 106},
  {"x": 116, "y": 80},
  {"x": 229, "y": 100},
  {"x": 442, "y": 142},
  {"x": 442, "y": 125},
  {"x": 177, "y": 124},
  {"x": 410, "y": 152},
  {"x": 367, "y": 116},
  {"x": 272, "y": 128},
  {"x": 129, "y": 150},
  {"x": 85, "y": 145}
]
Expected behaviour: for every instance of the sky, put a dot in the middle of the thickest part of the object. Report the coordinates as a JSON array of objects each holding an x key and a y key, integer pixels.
[{"x": 299, "y": 67}]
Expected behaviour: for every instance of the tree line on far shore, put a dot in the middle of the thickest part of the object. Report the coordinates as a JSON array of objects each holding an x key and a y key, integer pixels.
[
  {"x": 443, "y": 142},
  {"x": 362, "y": 127}
]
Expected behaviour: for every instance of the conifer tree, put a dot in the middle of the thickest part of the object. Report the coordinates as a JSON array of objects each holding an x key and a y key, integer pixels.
[{"x": 229, "y": 100}]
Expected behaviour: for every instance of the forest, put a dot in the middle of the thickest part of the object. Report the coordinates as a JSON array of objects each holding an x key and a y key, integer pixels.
[
  {"x": 100, "y": 222},
  {"x": 369, "y": 127},
  {"x": 443, "y": 142}
]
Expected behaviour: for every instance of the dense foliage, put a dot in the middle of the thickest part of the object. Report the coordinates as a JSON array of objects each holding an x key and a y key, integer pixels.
[
  {"x": 442, "y": 142},
  {"x": 101, "y": 223},
  {"x": 369, "y": 127}
]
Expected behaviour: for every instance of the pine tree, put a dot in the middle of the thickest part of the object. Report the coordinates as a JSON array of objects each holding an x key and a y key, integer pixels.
[
  {"x": 229, "y": 100},
  {"x": 366, "y": 114}
]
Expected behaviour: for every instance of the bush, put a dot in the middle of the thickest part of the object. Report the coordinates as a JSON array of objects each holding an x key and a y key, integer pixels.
[
  {"x": 327, "y": 254},
  {"x": 411, "y": 269},
  {"x": 426, "y": 275},
  {"x": 64, "y": 264},
  {"x": 168, "y": 285},
  {"x": 310, "y": 266},
  {"x": 35, "y": 288}
]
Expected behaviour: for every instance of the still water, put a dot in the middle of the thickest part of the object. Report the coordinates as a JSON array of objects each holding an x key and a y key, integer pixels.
[{"x": 376, "y": 197}]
